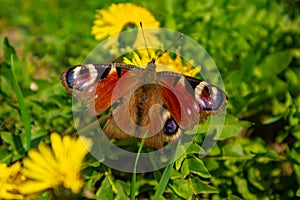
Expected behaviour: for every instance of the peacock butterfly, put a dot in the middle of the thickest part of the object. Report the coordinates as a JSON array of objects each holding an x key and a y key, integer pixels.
[{"x": 162, "y": 104}]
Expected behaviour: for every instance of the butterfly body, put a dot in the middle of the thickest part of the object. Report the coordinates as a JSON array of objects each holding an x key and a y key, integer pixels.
[{"x": 161, "y": 104}]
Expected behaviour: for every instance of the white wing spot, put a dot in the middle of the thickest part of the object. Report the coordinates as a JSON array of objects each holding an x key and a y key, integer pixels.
[
  {"x": 196, "y": 107},
  {"x": 214, "y": 93},
  {"x": 93, "y": 75},
  {"x": 76, "y": 72},
  {"x": 91, "y": 90},
  {"x": 189, "y": 111},
  {"x": 113, "y": 69}
]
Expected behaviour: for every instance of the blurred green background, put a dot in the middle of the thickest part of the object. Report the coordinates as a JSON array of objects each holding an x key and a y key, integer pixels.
[{"x": 255, "y": 44}]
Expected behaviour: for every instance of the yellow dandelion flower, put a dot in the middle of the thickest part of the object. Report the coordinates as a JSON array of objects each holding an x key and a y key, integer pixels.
[
  {"x": 121, "y": 17},
  {"x": 48, "y": 168},
  {"x": 9, "y": 178},
  {"x": 118, "y": 16},
  {"x": 164, "y": 63}
]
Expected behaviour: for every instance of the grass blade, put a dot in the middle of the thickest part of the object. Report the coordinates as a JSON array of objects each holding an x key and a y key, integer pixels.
[
  {"x": 24, "y": 111},
  {"x": 163, "y": 181},
  {"x": 133, "y": 179}
]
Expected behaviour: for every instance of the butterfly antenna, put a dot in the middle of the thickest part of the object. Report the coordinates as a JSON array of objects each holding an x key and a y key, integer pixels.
[
  {"x": 167, "y": 49},
  {"x": 141, "y": 25}
]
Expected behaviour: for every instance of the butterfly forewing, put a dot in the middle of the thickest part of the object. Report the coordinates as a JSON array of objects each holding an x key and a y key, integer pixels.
[{"x": 93, "y": 85}]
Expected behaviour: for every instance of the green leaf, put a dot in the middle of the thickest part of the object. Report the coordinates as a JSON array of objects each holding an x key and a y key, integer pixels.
[
  {"x": 274, "y": 64},
  {"x": 292, "y": 77},
  {"x": 212, "y": 164},
  {"x": 105, "y": 190},
  {"x": 196, "y": 166},
  {"x": 201, "y": 187},
  {"x": 216, "y": 151},
  {"x": 233, "y": 150},
  {"x": 297, "y": 171},
  {"x": 271, "y": 120},
  {"x": 185, "y": 168},
  {"x": 182, "y": 188},
  {"x": 295, "y": 155},
  {"x": 121, "y": 194},
  {"x": 255, "y": 178},
  {"x": 257, "y": 146},
  {"x": 45, "y": 196},
  {"x": 15, "y": 141},
  {"x": 233, "y": 197},
  {"x": 179, "y": 161},
  {"x": 195, "y": 149},
  {"x": 242, "y": 187},
  {"x": 232, "y": 127},
  {"x": 93, "y": 178},
  {"x": 254, "y": 146},
  {"x": 125, "y": 186},
  {"x": 175, "y": 174},
  {"x": 298, "y": 193},
  {"x": 5, "y": 156}
]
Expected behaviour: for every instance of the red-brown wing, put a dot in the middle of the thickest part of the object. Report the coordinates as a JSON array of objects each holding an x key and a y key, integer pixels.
[
  {"x": 94, "y": 85},
  {"x": 209, "y": 98},
  {"x": 179, "y": 99}
]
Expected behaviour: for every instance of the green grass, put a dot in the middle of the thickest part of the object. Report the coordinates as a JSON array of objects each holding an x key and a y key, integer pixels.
[
  {"x": 133, "y": 179},
  {"x": 255, "y": 45},
  {"x": 24, "y": 111},
  {"x": 163, "y": 182}
]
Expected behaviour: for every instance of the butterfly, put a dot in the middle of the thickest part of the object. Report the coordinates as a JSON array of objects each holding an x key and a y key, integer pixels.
[{"x": 162, "y": 104}]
